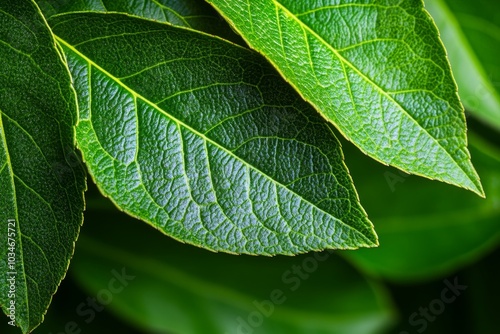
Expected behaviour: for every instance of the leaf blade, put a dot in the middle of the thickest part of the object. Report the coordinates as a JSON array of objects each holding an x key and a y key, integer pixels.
[
  {"x": 375, "y": 86},
  {"x": 41, "y": 184},
  {"x": 226, "y": 182}
]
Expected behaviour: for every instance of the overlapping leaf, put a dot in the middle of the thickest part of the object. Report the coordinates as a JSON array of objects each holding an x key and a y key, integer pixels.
[
  {"x": 203, "y": 140},
  {"x": 376, "y": 69},
  {"x": 471, "y": 33},
  {"x": 195, "y": 14},
  {"x": 41, "y": 182}
]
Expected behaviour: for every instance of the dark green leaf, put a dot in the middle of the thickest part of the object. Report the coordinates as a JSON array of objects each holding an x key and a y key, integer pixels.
[
  {"x": 376, "y": 69},
  {"x": 41, "y": 180},
  {"x": 202, "y": 139},
  {"x": 195, "y": 14},
  {"x": 471, "y": 33}
]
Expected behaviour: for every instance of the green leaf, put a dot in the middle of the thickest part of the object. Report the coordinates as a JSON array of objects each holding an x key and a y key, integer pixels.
[
  {"x": 440, "y": 230},
  {"x": 41, "y": 181},
  {"x": 469, "y": 29},
  {"x": 194, "y": 14},
  {"x": 201, "y": 139},
  {"x": 192, "y": 291},
  {"x": 376, "y": 69}
]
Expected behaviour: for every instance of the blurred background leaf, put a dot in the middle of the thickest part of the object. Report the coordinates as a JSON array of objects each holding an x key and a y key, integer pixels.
[
  {"x": 471, "y": 312},
  {"x": 181, "y": 289},
  {"x": 426, "y": 229},
  {"x": 470, "y": 31}
]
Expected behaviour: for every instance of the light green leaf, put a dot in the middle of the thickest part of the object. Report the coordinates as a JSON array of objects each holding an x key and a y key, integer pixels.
[
  {"x": 439, "y": 230},
  {"x": 41, "y": 182},
  {"x": 201, "y": 139},
  {"x": 180, "y": 289},
  {"x": 374, "y": 68},
  {"x": 471, "y": 33},
  {"x": 194, "y": 14}
]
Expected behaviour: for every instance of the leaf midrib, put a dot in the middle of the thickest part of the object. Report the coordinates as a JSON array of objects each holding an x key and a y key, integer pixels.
[
  {"x": 363, "y": 76},
  {"x": 368, "y": 242}
]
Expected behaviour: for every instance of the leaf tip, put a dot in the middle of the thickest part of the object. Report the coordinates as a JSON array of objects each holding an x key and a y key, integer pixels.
[
  {"x": 369, "y": 237},
  {"x": 478, "y": 189},
  {"x": 373, "y": 240},
  {"x": 474, "y": 183}
]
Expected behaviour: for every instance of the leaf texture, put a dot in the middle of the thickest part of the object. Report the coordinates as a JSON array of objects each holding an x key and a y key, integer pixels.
[
  {"x": 202, "y": 139},
  {"x": 376, "y": 69},
  {"x": 41, "y": 180},
  {"x": 194, "y": 14}
]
